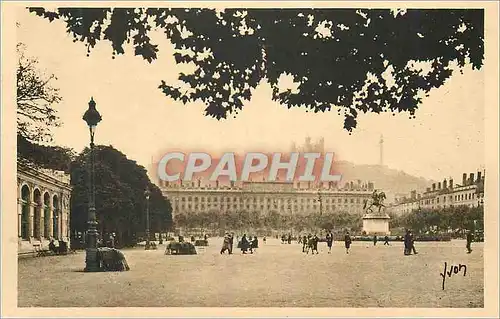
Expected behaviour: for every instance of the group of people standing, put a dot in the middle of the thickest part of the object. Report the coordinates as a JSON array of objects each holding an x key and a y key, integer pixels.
[
  {"x": 246, "y": 244},
  {"x": 310, "y": 242}
]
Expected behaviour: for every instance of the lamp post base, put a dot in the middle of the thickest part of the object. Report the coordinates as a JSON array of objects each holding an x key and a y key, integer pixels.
[{"x": 92, "y": 263}]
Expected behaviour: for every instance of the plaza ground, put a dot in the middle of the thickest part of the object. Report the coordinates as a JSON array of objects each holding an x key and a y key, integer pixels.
[{"x": 277, "y": 275}]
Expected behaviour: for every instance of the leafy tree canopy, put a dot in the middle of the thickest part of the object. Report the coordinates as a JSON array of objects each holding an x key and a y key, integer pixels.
[
  {"x": 51, "y": 157},
  {"x": 36, "y": 98},
  {"x": 352, "y": 60},
  {"x": 120, "y": 200}
]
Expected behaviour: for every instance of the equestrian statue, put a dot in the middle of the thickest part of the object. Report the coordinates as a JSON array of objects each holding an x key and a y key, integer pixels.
[{"x": 376, "y": 200}]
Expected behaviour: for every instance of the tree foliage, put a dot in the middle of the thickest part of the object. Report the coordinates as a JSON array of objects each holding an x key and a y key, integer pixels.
[
  {"x": 120, "y": 200},
  {"x": 35, "y": 98},
  {"x": 50, "y": 157},
  {"x": 245, "y": 221},
  {"x": 352, "y": 60},
  {"x": 455, "y": 218}
]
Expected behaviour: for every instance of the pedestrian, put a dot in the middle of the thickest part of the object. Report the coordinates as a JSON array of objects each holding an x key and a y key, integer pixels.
[
  {"x": 254, "y": 244},
  {"x": 375, "y": 240},
  {"x": 386, "y": 240},
  {"x": 244, "y": 244},
  {"x": 304, "y": 243},
  {"x": 289, "y": 238},
  {"x": 329, "y": 241},
  {"x": 413, "y": 243},
  {"x": 407, "y": 241},
  {"x": 264, "y": 239},
  {"x": 231, "y": 242},
  {"x": 226, "y": 245},
  {"x": 314, "y": 247},
  {"x": 469, "y": 241},
  {"x": 347, "y": 242}
]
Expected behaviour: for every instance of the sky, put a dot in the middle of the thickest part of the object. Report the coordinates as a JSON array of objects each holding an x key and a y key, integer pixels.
[{"x": 445, "y": 140}]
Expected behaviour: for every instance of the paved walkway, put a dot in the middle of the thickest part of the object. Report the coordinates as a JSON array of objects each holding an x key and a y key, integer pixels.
[{"x": 276, "y": 276}]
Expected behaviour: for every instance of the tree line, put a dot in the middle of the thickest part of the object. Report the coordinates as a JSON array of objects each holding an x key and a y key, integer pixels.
[
  {"x": 457, "y": 219},
  {"x": 218, "y": 222}
]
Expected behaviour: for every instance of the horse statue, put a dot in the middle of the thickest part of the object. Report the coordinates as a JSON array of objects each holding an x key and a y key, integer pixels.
[{"x": 377, "y": 200}]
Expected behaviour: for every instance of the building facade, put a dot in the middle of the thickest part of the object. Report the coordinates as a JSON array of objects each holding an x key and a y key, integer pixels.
[
  {"x": 43, "y": 201},
  {"x": 264, "y": 197},
  {"x": 445, "y": 194}
]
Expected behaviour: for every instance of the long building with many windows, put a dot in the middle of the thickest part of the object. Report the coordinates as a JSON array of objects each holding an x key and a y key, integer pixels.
[
  {"x": 264, "y": 197},
  {"x": 441, "y": 195}
]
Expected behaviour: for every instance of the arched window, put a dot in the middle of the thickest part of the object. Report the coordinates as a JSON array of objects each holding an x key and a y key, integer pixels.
[
  {"x": 55, "y": 218},
  {"x": 46, "y": 215},
  {"x": 25, "y": 212},
  {"x": 37, "y": 198}
]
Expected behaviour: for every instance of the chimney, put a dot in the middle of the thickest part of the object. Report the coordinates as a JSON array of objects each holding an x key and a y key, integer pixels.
[
  {"x": 217, "y": 183},
  {"x": 471, "y": 178},
  {"x": 464, "y": 179},
  {"x": 445, "y": 185},
  {"x": 428, "y": 189},
  {"x": 439, "y": 185},
  {"x": 199, "y": 183},
  {"x": 451, "y": 183},
  {"x": 479, "y": 177},
  {"x": 433, "y": 186},
  {"x": 352, "y": 185}
]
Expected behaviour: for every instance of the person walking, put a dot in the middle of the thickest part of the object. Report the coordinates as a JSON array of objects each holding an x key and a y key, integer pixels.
[
  {"x": 244, "y": 244},
  {"x": 304, "y": 243},
  {"x": 231, "y": 242},
  {"x": 329, "y": 241},
  {"x": 470, "y": 238},
  {"x": 413, "y": 243},
  {"x": 407, "y": 241},
  {"x": 226, "y": 244},
  {"x": 386, "y": 240},
  {"x": 347, "y": 242},
  {"x": 375, "y": 240},
  {"x": 315, "y": 241}
]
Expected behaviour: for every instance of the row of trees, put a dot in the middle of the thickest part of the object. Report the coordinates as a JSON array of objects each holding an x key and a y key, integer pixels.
[
  {"x": 456, "y": 219},
  {"x": 253, "y": 221}
]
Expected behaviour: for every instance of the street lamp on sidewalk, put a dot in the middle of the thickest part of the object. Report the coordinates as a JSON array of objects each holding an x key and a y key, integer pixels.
[
  {"x": 92, "y": 117},
  {"x": 147, "y": 193}
]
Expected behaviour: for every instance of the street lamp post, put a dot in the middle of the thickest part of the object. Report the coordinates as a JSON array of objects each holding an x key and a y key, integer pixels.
[
  {"x": 147, "y": 193},
  {"x": 92, "y": 117}
]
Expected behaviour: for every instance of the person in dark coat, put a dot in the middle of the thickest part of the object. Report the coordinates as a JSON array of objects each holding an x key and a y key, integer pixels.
[
  {"x": 469, "y": 241},
  {"x": 314, "y": 247},
  {"x": 254, "y": 244},
  {"x": 226, "y": 244},
  {"x": 304, "y": 243},
  {"x": 375, "y": 240},
  {"x": 231, "y": 242},
  {"x": 347, "y": 242},
  {"x": 244, "y": 244},
  {"x": 329, "y": 241},
  {"x": 412, "y": 243},
  {"x": 386, "y": 240},
  {"x": 408, "y": 243}
]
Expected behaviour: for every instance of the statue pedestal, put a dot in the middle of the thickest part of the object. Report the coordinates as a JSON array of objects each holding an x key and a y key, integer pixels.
[{"x": 376, "y": 224}]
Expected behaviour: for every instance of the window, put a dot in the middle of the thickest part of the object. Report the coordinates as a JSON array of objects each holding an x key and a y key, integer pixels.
[{"x": 352, "y": 200}]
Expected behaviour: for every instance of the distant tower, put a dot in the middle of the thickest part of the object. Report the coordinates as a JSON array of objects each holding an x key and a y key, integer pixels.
[{"x": 381, "y": 142}]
